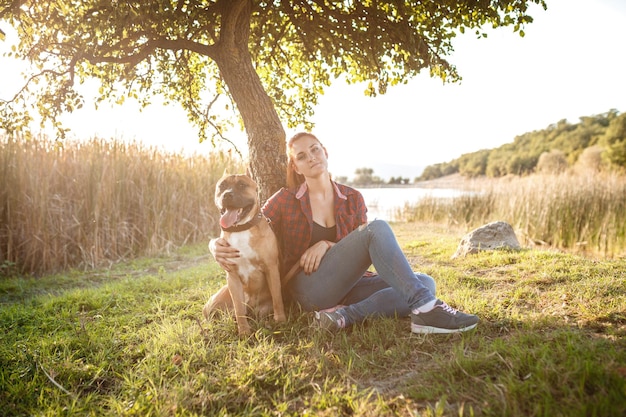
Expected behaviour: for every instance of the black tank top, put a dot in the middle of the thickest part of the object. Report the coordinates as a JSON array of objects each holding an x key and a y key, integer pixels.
[{"x": 323, "y": 233}]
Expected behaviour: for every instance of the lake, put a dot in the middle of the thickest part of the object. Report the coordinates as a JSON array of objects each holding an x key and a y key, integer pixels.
[{"x": 382, "y": 202}]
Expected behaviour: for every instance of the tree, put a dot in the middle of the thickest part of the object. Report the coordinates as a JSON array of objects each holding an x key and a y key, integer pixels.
[
  {"x": 269, "y": 59},
  {"x": 553, "y": 162},
  {"x": 614, "y": 140},
  {"x": 522, "y": 164},
  {"x": 474, "y": 164},
  {"x": 365, "y": 176},
  {"x": 590, "y": 160},
  {"x": 431, "y": 172}
]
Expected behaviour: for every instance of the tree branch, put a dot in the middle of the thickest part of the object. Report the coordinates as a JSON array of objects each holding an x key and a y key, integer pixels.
[
  {"x": 148, "y": 48},
  {"x": 29, "y": 80}
]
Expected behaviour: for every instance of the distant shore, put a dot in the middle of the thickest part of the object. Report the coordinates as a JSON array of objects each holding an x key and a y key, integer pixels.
[{"x": 454, "y": 181}]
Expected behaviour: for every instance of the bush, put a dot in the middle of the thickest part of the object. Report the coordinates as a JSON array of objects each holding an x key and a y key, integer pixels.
[{"x": 553, "y": 162}]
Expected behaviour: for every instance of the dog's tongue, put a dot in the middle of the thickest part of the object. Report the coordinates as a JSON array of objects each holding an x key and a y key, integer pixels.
[{"x": 229, "y": 218}]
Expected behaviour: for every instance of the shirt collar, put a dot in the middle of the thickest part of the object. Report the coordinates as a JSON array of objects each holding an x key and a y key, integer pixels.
[{"x": 304, "y": 188}]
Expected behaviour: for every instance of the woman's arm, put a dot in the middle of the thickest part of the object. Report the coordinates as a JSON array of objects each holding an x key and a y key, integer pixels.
[{"x": 312, "y": 257}]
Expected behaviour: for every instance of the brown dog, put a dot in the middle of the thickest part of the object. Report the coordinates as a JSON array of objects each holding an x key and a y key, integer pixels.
[{"x": 254, "y": 282}]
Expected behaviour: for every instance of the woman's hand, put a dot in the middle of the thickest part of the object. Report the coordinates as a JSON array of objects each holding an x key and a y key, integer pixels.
[
  {"x": 223, "y": 253},
  {"x": 311, "y": 258}
]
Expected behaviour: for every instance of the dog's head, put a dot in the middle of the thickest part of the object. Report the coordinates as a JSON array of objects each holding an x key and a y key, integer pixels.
[{"x": 237, "y": 199}]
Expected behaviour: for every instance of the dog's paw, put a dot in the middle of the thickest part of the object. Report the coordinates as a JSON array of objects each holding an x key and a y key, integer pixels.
[
  {"x": 244, "y": 331},
  {"x": 280, "y": 318}
]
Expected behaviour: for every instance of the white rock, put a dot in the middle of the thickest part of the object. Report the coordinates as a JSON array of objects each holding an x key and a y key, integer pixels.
[{"x": 496, "y": 235}]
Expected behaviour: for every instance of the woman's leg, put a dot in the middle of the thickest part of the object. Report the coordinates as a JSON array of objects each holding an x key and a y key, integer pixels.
[
  {"x": 373, "y": 297},
  {"x": 344, "y": 264},
  {"x": 369, "y": 285}
]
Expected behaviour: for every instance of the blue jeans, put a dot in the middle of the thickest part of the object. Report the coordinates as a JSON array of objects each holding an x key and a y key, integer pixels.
[{"x": 396, "y": 290}]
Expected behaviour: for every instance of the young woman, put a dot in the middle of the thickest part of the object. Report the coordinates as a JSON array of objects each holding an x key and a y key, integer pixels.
[{"x": 328, "y": 246}]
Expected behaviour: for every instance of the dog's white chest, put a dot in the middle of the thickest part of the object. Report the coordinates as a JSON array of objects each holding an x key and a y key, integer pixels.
[{"x": 247, "y": 255}]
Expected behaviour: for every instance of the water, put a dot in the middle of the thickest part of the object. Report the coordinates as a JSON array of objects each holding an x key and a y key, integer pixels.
[{"x": 383, "y": 202}]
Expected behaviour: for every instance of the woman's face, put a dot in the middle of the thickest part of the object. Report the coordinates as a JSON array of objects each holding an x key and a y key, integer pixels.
[{"x": 309, "y": 156}]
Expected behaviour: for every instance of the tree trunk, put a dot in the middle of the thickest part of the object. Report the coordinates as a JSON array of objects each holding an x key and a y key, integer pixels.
[{"x": 266, "y": 136}]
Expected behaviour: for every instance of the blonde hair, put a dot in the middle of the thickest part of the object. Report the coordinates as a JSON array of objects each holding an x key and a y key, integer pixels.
[{"x": 293, "y": 178}]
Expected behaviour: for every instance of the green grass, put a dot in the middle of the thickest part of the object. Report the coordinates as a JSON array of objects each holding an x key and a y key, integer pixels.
[{"x": 130, "y": 341}]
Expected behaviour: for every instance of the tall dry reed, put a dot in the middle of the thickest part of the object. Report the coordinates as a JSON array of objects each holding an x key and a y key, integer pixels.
[
  {"x": 68, "y": 204},
  {"x": 567, "y": 211}
]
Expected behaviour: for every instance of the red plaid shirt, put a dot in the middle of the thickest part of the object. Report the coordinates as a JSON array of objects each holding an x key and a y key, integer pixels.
[{"x": 289, "y": 212}]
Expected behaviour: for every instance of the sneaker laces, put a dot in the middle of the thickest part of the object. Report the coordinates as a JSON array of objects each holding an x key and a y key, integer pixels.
[
  {"x": 447, "y": 308},
  {"x": 341, "y": 321}
]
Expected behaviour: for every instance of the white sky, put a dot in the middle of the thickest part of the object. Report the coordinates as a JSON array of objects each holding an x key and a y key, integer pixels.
[{"x": 571, "y": 63}]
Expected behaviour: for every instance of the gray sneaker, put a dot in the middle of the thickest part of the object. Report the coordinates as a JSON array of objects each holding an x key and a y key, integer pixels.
[
  {"x": 332, "y": 321},
  {"x": 442, "y": 319}
]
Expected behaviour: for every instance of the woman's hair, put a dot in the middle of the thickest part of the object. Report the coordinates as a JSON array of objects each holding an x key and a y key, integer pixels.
[{"x": 293, "y": 178}]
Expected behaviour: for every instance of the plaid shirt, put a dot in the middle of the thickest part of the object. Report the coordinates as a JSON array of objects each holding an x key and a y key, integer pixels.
[{"x": 289, "y": 213}]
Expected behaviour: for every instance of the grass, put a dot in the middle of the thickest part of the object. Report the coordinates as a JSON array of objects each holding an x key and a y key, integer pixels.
[
  {"x": 582, "y": 212},
  {"x": 129, "y": 340}
]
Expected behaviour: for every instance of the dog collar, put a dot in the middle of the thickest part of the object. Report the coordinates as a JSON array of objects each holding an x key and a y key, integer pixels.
[{"x": 241, "y": 227}]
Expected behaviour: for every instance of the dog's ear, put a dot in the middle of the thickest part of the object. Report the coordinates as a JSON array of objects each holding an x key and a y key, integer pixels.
[{"x": 248, "y": 171}]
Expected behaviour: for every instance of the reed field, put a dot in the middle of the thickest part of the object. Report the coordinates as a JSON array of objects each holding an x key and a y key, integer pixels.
[
  {"x": 585, "y": 213},
  {"x": 90, "y": 203},
  {"x": 81, "y": 204}
]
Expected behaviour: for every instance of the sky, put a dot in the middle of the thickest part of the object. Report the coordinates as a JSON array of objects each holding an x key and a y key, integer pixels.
[{"x": 571, "y": 63}]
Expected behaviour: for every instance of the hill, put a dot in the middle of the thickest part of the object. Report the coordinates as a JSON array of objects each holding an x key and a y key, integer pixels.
[{"x": 596, "y": 142}]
